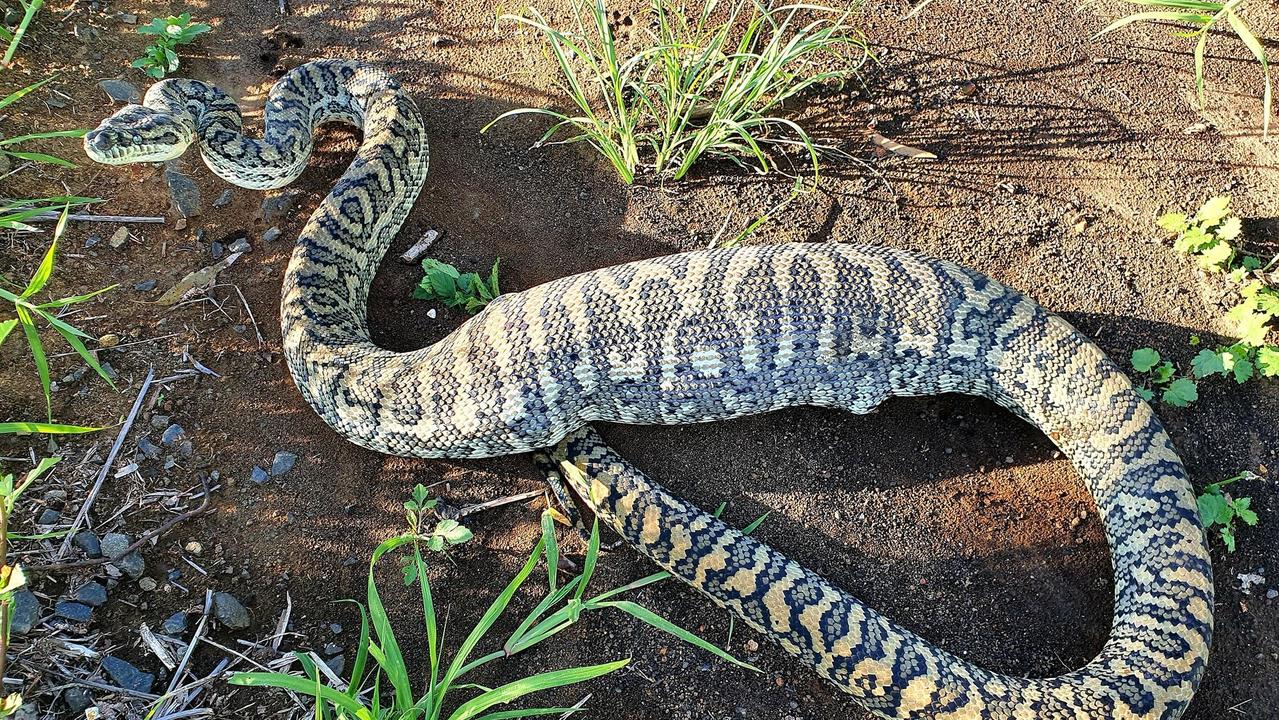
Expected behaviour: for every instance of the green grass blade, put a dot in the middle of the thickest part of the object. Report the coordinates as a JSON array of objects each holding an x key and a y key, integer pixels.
[
  {"x": 1191, "y": 18},
  {"x": 42, "y": 273},
  {"x": 428, "y": 617},
  {"x": 63, "y": 302},
  {"x": 31, "y": 9},
  {"x": 17, "y": 95},
  {"x": 39, "y": 158},
  {"x": 592, "y": 556},
  {"x": 552, "y": 551},
  {"x": 361, "y": 653},
  {"x": 37, "y": 353},
  {"x": 49, "y": 428},
  {"x": 542, "y": 681},
  {"x": 530, "y": 712},
  {"x": 70, "y": 334},
  {"x": 302, "y": 686},
  {"x": 1253, "y": 44},
  {"x": 7, "y": 327},
  {"x": 387, "y": 652},
  {"x": 43, "y": 136},
  {"x": 648, "y": 616}
]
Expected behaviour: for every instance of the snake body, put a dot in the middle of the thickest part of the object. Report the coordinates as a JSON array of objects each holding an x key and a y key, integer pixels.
[{"x": 704, "y": 336}]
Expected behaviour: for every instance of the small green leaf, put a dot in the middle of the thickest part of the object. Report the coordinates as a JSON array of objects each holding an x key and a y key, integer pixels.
[
  {"x": 1173, "y": 222},
  {"x": 1243, "y": 370},
  {"x": 1145, "y": 393},
  {"x": 1268, "y": 361},
  {"x": 1214, "y": 210},
  {"x": 1206, "y": 363},
  {"x": 1164, "y": 372},
  {"x": 1229, "y": 229},
  {"x": 1217, "y": 254},
  {"x": 1144, "y": 359},
  {"x": 1211, "y": 509},
  {"x": 1181, "y": 392}
]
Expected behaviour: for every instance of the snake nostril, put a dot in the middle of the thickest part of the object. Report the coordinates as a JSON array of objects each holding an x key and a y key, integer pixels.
[{"x": 99, "y": 140}]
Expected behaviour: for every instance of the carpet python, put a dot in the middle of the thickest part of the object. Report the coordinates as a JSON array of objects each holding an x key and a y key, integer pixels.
[{"x": 704, "y": 336}]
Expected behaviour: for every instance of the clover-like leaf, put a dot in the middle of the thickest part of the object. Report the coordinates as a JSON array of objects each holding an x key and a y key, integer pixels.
[
  {"x": 1144, "y": 359},
  {"x": 1181, "y": 392}
]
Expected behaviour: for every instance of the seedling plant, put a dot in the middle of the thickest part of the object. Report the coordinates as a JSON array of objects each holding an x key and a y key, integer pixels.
[
  {"x": 1219, "y": 509},
  {"x": 379, "y": 661},
  {"x": 444, "y": 283},
  {"x": 161, "y": 57}
]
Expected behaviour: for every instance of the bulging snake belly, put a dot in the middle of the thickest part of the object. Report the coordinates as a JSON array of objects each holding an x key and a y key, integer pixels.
[{"x": 704, "y": 336}]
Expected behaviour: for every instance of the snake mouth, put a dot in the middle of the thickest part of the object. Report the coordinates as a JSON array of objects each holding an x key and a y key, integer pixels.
[{"x": 125, "y": 155}]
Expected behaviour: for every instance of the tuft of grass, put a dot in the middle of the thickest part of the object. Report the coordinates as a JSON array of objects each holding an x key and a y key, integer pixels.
[
  {"x": 28, "y": 310},
  {"x": 445, "y": 283},
  {"x": 14, "y": 214},
  {"x": 29, "y": 10},
  {"x": 1205, "y": 17},
  {"x": 161, "y": 57},
  {"x": 1220, "y": 509},
  {"x": 379, "y": 662},
  {"x": 711, "y": 84}
]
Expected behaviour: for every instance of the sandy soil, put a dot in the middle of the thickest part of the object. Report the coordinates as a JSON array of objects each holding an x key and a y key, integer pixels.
[{"x": 946, "y": 513}]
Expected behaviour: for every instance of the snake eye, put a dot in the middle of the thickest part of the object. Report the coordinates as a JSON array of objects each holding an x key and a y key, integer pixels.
[{"x": 137, "y": 139}]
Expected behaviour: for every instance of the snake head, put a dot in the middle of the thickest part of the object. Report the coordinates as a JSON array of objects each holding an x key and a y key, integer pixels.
[{"x": 137, "y": 134}]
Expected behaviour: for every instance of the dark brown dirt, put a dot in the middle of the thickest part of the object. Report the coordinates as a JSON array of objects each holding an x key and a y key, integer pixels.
[{"x": 946, "y": 513}]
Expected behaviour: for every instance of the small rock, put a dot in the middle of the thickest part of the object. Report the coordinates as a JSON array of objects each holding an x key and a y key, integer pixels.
[
  {"x": 147, "y": 584},
  {"x": 159, "y": 422},
  {"x": 258, "y": 475},
  {"x": 752, "y": 646},
  {"x": 92, "y": 594},
  {"x": 49, "y": 517},
  {"x": 78, "y": 701},
  {"x": 172, "y": 434},
  {"x": 275, "y": 208},
  {"x": 332, "y": 649},
  {"x": 443, "y": 41},
  {"x": 109, "y": 340},
  {"x": 145, "y": 286},
  {"x": 175, "y": 624},
  {"x": 337, "y": 664},
  {"x": 230, "y": 612},
  {"x": 27, "y": 712},
  {"x": 194, "y": 547},
  {"x": 12, "y": 16},
  {"x": 184, "y": 196},
  {"x": 92, "y": 240},
  {"x": 282, "y": 463},
  {"x": 224, "y": 199},
  {"x": 25, "y": 612},
  {"x": 128, "y": 18},
  {"x": 119, "y": 237},
  {"x": 121, "y": 90},
  {"x": 132, "y": 564},
  {"x": 271, "y": 235},
  {"x": 114, "y": 544},
  {"x": 73, "y": 611},
  {"x": 89, "y": 543},
  {"x": 149, "y": 450},
  {"x": 240, "y": 245},
  {"x": 217, "y": 250},
  {"x": 1272, "y": 593},
  {"x": 185, "y": 449},
  {"x": 335, "y": 628},
  {"x": 126, "y": 675}
]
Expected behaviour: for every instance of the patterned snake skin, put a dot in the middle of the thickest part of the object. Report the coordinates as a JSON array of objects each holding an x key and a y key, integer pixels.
[{"x": 706, "y": 336}]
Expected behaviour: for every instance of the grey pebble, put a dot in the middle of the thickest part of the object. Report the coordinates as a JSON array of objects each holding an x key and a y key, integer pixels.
[
  {"x": 271, "y": 235},
  {"x": 49, "y": 517},
  {"x": 92, "y": 240},
  {"x": 149, "y": 450},
  {"x": 183, "y": 193},
  {"x": 335, "y": 628},
  {"x": 132, "y": 564},
  {"x": 1272, "y": 593},
  {"x": 332, "y": 649},
  {"x": 337, "y": 664},
  {"x": 224, "y": 199},
  {"x": 73, "y": 611},
  {"x": 172, "y": 434},
  {"x": 274, "y": 208},
  {"x": 145, "y": 286},
  {"x": 217, "y": 249},
  {"x": 126, "y": 675},
  {"x": 92, "y": 594},
  {"x": 121, "y": 90},
  {"x": 128, "y": 18},
  {"x": 230, "y": 612},
  {"x": 240, "y": 245},
  {"x": 185, "y": 449},
  {"x": 113, "y": 545},
  {"x": 89, "y": 543},
  {"x": 258, "y": 475},
  {"x": 25, "y": 612},
  {"x": 282, "y": 463},
  {"x": 175, "y": 624},
  {"x": 78, "y": 701},
  {"x": 159, "y": 422}
]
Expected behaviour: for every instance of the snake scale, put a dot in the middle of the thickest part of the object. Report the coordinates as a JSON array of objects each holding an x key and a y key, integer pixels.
[{"x": 704, "y": 336}]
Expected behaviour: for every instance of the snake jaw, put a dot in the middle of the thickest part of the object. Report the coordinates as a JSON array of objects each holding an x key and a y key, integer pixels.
[{"x": 137, "y": 134}]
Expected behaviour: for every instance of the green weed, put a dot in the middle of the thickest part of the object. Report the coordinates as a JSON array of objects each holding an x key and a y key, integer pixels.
[
  {"x": 363, "y": 697},
  {"x": 1205, "y": 17},
  {"x": 29, "y": 10},
  {"x": 1218, "y": 508},
  {"x": 161, "y": 57},
  {"x": 445, "y": 283},
  {"x": 1161, "y": 377},
  {"x": 28, "y": 310},
  {"x": 11, "y": 577},
  {"x": 706, "y": 84}
]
